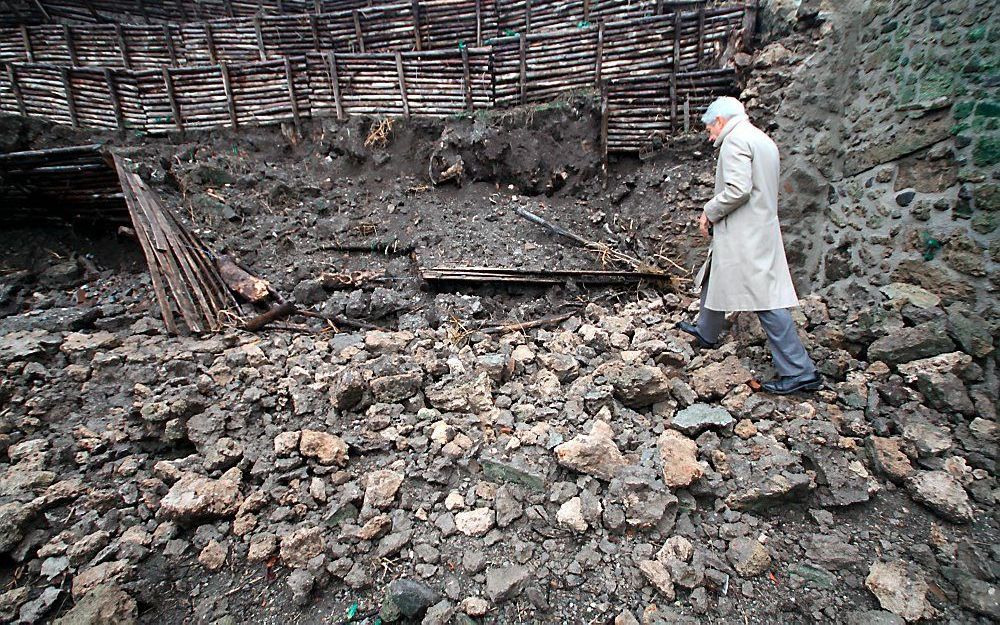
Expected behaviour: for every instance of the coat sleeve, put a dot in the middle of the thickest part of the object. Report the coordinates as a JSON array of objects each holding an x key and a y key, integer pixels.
[{"x": 737, "y": 176}]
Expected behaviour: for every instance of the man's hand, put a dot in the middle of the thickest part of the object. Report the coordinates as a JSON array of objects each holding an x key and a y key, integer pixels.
[{"x": 704, "y": 225}]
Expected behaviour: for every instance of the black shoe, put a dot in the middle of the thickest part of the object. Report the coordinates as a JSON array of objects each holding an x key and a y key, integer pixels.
[
  {"x": 692, "y": 329},
  {"x": 793, "y": 384}
]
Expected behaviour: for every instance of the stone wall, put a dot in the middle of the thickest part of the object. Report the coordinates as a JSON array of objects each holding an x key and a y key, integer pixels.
[{"x": 887, "y": 116}]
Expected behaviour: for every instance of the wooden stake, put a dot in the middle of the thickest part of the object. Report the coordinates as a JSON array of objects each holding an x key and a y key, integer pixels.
[
  {"x": 227, "y": 86},
  {"x": 335, "y": 84},
  {"x": 16, "y": 88},
  {"x": 527, "y": 16},
  {"x": 479, "y": 23},
  {"x": 586, "y": 10},
  {"x": 357, "y": 31},
  {"x": 70, "y": 46},
  {"x": 687, "y": 114},
  {"x": 169, "y": 84},
  {"x": 116, "y": 103},
  {"x": 70, "y": 101},
  {"x": 122, "y": 46},
  {"x": 677, "y": 41},
  {"x": 599, "y": 54},
  {"x": 415, "y": 9},
  {"x": 673, "y": 103},
  {"x": 168, "y": 37},
  {"x": 26, "y": 38},
  {"x": 402, "y": 83},
  {"x": 467, "y": 78},
  {"x": 291, "y": 95},
  {"x": 260, "y": 38},
  {"x": 604, "y": 124},
  {"x": 210, "y": 42},
  {"x": 524, "y": 67},
  {"x": 314, "y": 28},
  {"x": 701, "y": 35}
]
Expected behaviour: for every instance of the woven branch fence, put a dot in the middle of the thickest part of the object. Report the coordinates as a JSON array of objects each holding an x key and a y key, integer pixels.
[
  {"x": 519, "y": 15},
  {"x": 415, "y": 25},
  {"x": 652, "y": 68}
]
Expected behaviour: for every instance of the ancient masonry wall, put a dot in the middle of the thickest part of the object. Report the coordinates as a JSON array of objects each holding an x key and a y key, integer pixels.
[{"x": 890, "y": 160}]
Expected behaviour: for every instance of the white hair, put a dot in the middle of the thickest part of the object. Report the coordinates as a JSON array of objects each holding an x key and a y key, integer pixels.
[{"x": 724, "y": 107}]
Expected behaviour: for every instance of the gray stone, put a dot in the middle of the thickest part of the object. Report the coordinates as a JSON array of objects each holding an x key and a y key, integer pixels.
[
  {"x": 899, "y": 590},
  {"x": 52, "y": 320},
  {"x": 697, "y": 418},
  {"x": 635, "y": 386},
  {"x": 942, "y": 493},
  {"x": 748, "y": 557},
  {"x": 195, "y": 498},
  {"x": 970, "y": 330},
  {"x": 975, "y": 594},
  {"x": 34, "y": 610},
  {"x": 500, "y": 471},
  {"x": 918, "y": 296},
  {"x": 906, "y": 344},
  {"x": 506, "y": 581},
  {"x": 594, "y": 454},
  {"x": 105, "y": 605},
  {"x": 301, "y": 583}
]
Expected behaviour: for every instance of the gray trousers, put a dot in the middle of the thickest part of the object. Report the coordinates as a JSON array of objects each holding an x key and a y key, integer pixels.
[{"x": 790, "y": 357}]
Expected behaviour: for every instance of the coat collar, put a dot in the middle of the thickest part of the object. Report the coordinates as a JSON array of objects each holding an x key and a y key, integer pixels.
[{"x": 731, "y": 123}]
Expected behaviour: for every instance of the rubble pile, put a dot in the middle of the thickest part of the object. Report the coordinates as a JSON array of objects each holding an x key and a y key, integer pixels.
[{"x": 601, "y": 469}]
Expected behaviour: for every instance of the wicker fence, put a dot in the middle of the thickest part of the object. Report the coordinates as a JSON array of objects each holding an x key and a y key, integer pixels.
[
  {"x": 655, "y": 69},
  {"x": 518, "y": 15},
  {"x": 423, "y": 25}
]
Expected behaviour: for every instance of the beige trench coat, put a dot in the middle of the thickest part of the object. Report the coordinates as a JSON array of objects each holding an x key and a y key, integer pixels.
[{"x": 746, "y": 261}]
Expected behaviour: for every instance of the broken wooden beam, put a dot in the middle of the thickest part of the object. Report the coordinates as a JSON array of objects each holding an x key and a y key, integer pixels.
[{"x": 498, "y": 275}]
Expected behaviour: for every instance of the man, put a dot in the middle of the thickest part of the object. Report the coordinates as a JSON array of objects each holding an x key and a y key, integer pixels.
[{"x": 746, "y": 268}]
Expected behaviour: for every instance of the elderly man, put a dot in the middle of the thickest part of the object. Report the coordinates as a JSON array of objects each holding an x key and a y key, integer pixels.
[{"x": 746, "y": 268}]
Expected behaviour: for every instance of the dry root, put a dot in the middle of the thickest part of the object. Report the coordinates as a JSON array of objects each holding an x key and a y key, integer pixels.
[{"x": 380, "y": 133}]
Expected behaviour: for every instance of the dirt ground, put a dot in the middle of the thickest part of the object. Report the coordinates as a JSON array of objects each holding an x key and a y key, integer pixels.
[{"x": 104, "y": 417}]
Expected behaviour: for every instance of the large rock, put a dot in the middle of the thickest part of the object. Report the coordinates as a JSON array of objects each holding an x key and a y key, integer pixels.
[
  {"x": 381, "y": 487},
  {"x": 594, "y": 454},
  {"x": 906, "y": 344},
  {"x": 475, "y": 395},
  {"x": 937, "y": 378},
  {"x": 196, "y": 498},
  {"x": 396, "y": 388},
  {"x": 52, "y": 320},
  {"x": 748, "y": 556},
  {"x": 970, "y": 330},
  {"x": 347, "y": 388},
  {"x": 697, "y": 418},
  {"x": 942, "y": 493},
  {"x": 888, "y": 459},
  {"x": 974, "y": 594},
  {"x": 475, "y": 522},
  {"x": 326, "y": 448},
  {"x": 679, "y": 457},
  {"x": 14, "y": 518},
  {"x": 407, "y": 598},
  {"x": 911, "y": 293},
  {"x": 302, "y": 545},
  {"x": 105, "y": 605},
  {"x": 899, "y": 591},
  {"x": 506, "y": 581},
  {"x": 659, "y": 577},
  {"x": 635, "y": 386},
  {"x": 718, "y": 378},
  {"x": 26, "y": 344}
]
